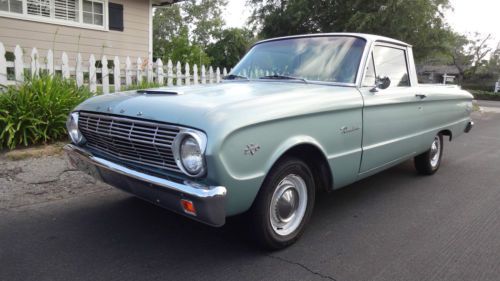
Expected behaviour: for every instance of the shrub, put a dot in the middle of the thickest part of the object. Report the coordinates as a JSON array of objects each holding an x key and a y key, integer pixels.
[
  {"x": 36, "y": 111},
  {"x": 483, "y": 95},
  {"x": 483, "y": 87}
]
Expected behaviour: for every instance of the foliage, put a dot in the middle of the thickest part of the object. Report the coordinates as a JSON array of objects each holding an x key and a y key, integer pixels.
[
  {"x": 182, "y": 31},
  {"x": 231, "y": 47},
  {"x": 492, "y": 67},
  {"x": 468, "y": 53},
  {"x": 418, "y": 22},
  {"x": 205, "y": 19},
  {"x": 143, "y": 85},
  {"x": 485, "y": 95},
  {"x": 36, "y": 111},
  {"x": 182, "y": 50}
]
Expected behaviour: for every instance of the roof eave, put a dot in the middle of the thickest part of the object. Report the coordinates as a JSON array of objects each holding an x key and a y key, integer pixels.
[{"x": 162, "y": 3}]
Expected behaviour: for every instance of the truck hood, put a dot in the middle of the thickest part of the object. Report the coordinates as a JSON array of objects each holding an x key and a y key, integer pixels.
[{"x": 207, "y": 105}]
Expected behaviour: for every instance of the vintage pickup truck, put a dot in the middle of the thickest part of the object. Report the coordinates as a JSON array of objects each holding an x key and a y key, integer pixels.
[{"x": 296, "y": 116}]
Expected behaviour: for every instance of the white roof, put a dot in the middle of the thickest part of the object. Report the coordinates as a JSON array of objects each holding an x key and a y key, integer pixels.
[{"x": 367, "y": 37}]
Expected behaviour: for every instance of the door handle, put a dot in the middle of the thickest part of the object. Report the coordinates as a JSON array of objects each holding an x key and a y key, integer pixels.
[{"x": 421, "y": 96}]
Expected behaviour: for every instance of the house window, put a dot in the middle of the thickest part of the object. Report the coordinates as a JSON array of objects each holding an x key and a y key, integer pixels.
[
  {"x": 83, "y": 12},
  {"x": 13, "y": 6},
  {"x": 39, "y": 7},
  {"x": 66, "y": 10},
  {"x": 93, "y": 12}
]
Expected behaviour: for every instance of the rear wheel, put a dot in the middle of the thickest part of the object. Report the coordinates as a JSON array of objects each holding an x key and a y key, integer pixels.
[
  {"x": 428, "y": 162},
  {"x": 284, "y": 204}
]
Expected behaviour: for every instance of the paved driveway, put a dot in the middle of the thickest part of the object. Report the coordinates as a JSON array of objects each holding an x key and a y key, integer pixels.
[{"x": 392, "y": 226}]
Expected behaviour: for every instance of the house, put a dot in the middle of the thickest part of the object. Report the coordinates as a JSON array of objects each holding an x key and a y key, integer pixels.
[
  {"x": 100, "y": 27},
  {"x": 431, "y": 74}
]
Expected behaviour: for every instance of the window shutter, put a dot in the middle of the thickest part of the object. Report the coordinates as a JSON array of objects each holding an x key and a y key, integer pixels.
[{"x": 115, "y": 16}]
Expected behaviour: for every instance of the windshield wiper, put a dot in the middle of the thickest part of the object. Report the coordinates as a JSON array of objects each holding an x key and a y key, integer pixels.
[
  {"x": 283, "y": 77},
  {"x": 234, "y": 77}
]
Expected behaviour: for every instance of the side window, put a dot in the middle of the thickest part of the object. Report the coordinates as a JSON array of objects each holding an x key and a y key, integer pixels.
[
  {"x": 391, "y": 62},
  {"x": 370, "y": 74}
]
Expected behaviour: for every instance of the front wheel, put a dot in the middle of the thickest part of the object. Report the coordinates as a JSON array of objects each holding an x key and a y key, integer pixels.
[
  {"x": 428, "y": 162},
  {"x": 284, "y": 204}
]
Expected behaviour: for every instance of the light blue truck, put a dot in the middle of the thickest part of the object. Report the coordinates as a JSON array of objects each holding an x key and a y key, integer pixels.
[{"x": 296, "y": 116}]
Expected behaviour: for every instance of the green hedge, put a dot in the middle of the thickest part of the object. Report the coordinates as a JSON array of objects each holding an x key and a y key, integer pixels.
[
  {"x": 483, "y": 87},
  {"x": 484, "y": 95},
  {"x": 35, "y": 112}
]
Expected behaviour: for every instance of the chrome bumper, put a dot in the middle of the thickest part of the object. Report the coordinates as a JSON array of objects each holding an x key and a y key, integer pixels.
[{"x": 209, "y": 201}]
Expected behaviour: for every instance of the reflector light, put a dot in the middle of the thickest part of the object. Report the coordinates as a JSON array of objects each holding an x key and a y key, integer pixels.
[{"x": 188, "y": 207}]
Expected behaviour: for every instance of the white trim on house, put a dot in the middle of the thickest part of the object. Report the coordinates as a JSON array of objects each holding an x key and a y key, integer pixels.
[
  {"x": 52, "y": 20},
  {"x": 150, "y": 51}
]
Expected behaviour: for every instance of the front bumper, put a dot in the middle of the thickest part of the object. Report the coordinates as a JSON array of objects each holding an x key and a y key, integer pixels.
[{"x": 209, "y": 201}]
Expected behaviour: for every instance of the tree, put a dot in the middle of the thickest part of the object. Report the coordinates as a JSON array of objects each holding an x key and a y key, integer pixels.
[
  {"x": 468, "y": 53},
  {"x": 231, "y": 47},
  {"x": 418, "y": 22},
  {"x": 167, "y": 24},
  {"x": 205, "y": 19},
  {"x": 181, "y": 32}
]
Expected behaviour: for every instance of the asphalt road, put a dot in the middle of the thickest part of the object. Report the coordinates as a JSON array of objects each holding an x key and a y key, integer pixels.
[{"x": 393, "y": 226}]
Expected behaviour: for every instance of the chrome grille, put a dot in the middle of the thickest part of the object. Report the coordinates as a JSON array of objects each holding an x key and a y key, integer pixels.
[{"x": 131, "y": 140}]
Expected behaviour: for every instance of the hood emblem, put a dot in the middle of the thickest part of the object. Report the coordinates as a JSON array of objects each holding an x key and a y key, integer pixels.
[
  {"x": 251, "y": 149},
  {"x": 109, "y": 108},
  {"x": 140, "y": 113},
  {"x": 122, "y": 110}
]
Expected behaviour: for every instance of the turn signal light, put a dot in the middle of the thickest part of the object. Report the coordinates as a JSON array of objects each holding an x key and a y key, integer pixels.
[{"x": 188, "y": 207}]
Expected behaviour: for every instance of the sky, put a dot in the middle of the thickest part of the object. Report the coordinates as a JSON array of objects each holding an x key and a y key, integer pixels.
[{"x": 481, "y": 16}]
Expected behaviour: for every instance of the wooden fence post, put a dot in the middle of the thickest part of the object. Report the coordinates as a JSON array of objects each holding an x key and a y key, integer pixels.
[
  {"x": 105, "y": 75},
  {"x": 117, "y": 74},
  {"x": 159, "y": 72},
  {"x": 195, "y": 74},
  {"x": 3, "y": 65},
  {"x": 210, "y": 75},
  {"x": 128, "y": 72},
  {"x": 224, "y": 72},
  {"x": 65, "y": 66},
  {"x": 217, "y": 75},
  {"x": 203, "y": 76},
  {"x": 50, "y": 62},
  {"x": 139, "y": 71},
  {"x": 150, "y": 70},
  {"x": 187, "y": 74},
  {"x": 178, "y": 74},
  {"x": 35, "y": 63},
  {"x": 79, "y": 70},
  {"x": 19, "y": 64},
  {"x": 92, "y": 74},
  {"x": 170, "y": 73}
]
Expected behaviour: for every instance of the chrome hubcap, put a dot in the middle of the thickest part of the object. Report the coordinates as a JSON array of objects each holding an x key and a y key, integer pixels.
[
  {"x": 435, "y": 152},
  {"x": 288, "y": 205}
]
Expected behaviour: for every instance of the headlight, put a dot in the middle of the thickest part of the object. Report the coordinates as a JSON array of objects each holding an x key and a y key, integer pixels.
[
  {"x": 73, "y": 131},
  {"x": 189, "y": 151}
]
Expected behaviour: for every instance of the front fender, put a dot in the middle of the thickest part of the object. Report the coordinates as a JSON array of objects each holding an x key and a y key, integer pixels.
[{"x": 243, "y": 174}]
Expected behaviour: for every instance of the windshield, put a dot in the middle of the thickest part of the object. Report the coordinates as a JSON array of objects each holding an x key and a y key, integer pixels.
[{"x": 328, "y": 59}]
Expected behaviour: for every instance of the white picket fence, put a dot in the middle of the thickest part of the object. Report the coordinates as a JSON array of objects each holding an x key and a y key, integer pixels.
[{"x": 132, "y": 73}]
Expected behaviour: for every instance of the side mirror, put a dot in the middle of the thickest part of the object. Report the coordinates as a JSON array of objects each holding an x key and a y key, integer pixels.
[{"x": 381, "y": 83}]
